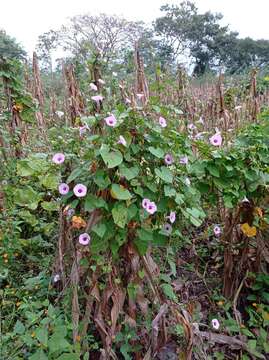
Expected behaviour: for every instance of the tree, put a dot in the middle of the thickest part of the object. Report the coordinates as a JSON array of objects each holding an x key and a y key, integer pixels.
[
  {"x": 86, "y": 36},
  {"x": 47, "y": 42},
  {"x": 200, "y": 35},
  {"x": 9, "y": 48},
  {"x": 247, "y": 53}
]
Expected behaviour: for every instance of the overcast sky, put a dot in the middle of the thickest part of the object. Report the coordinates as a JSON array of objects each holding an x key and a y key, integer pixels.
[{"x": 26, "y": 19}]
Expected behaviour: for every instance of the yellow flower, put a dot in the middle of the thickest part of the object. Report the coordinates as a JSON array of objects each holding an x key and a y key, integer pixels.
[
  {"x": 220, "y": 303},
  {"x": 258, "y": 211},
  {"x": 78, "y": 222},
  {"x": 249, "y": 231}
]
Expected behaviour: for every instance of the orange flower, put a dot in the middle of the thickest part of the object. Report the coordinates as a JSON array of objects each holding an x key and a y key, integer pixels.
[
  {"x": 78, "y": 222},
  {"x": 249, "y": 231},
  {"x": 18, "y": 107}
]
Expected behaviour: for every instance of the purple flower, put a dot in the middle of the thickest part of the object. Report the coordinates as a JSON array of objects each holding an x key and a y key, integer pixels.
[
  {"x": 167, "y": 229},
  {"x": 82, "y": 130},
  {"x": 217, "y": 230},
  {"x": 70, "y": 212},
  {"x": 102, "y": 82},
  {"x": 200, "y": 121},
  {"x": 216, "y": 139},
  {"x": 191, "y": 127},
  {"x": 97, "y": 98},
  {"x": 84, "y": 239},
  {"x": 162, "y": 122},
  {"x": 151, "y": 207},
  {"x": 184, "y": 160},
  {"x": 111, "y": 120},
  {"x": 128, "y": 101},
  {"x": 122, "y": 141},
  {"x": 93, "y": 87},
  {"x": 199, "y": 136},
  {"x": 215, "y": 323},
  {"x": 80, "y": 190},
  {"x": 145, "y": 203},
  {"x": 172, "y": 217},
  {"x": 58, "y": 158},
  {"x": 168, "y": 159},
  {"x": 63, "y": 189}
]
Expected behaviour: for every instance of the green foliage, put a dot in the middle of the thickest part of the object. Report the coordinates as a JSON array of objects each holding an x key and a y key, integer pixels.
[
  {"x": 9, "y": 49},
  {"x": 36, "y": 314}
]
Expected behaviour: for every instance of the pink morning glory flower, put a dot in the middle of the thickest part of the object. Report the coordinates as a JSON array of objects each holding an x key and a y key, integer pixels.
[
  {"x": 80, "y": 190},
  {"x": 168, "y": 159},
  {"x": 191, "y": 127},
  {"x": 145, "y": 203},
  {"x": 151, "y": 207},
  {"x": 102, "y": 82},
  {"x": 167, "y": 229},
  {"x": 215, "y": 323},
  {"x": 93, "y": 87},
  {"x": 97, "y": 98},
  {"x": 184, "y": 160},
  {"x": 63, "y": 189},
  {"x": 84, "y": 239},
  {"x": 82, "y": 130},
  {"x": 111, "y": 120},
  {"x": 172, "y": 217},
  {"x": 199, "y": 136},
  {"x": 216, "y": 139},
  {"x": 162, "y": 122},
  {"x": 58, "y": 158},
  {"x": 217, "y": 230},
  {"x": 70, "y": 212},
  {"x": 56, "y": 278},
  {"x": 122, "y": 141}
]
